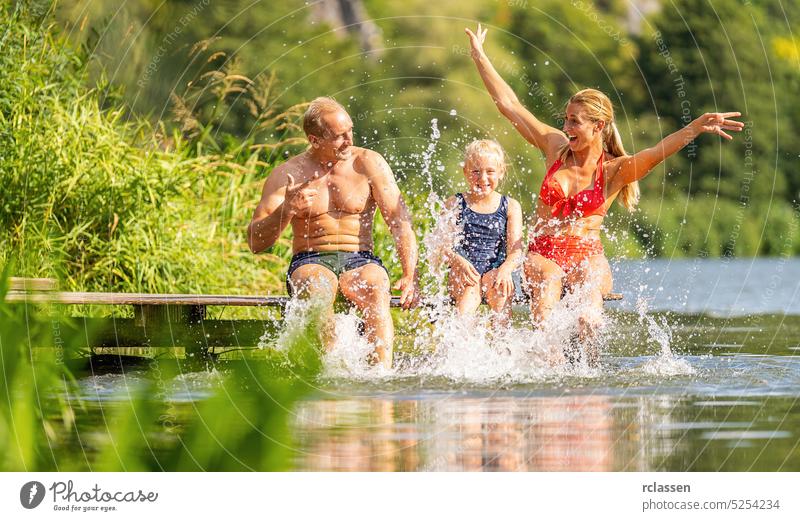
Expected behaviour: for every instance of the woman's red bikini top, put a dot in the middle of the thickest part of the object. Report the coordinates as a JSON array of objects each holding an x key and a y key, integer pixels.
[{"x": 584, "y": 203}]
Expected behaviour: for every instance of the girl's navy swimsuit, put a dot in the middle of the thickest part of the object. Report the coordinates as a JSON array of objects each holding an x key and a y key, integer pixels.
[{"x": 484, "y": 239}]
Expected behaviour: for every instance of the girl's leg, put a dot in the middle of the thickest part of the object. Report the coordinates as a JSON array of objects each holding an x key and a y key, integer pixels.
[
  {"x": 467, "y": 298},
  {"x": 499, "y": 301},
  {"x": 543, "y": 282}
]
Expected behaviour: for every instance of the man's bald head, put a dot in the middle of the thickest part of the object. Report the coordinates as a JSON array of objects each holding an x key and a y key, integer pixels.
[{"x": 314, "y": 123}]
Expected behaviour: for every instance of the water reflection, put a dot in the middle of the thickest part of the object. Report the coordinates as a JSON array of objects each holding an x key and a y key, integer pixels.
[{"x": 563, "y": 433}]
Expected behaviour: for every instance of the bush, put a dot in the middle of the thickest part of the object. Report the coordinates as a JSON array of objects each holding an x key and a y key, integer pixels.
[{"x": 104, "y": 200}]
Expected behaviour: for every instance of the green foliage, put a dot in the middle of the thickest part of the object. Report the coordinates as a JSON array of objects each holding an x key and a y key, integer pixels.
[
  {"x": 545, "y": 50},
  {"x": 104, "y": 200},
  {"x": 31, "y": 413},
  {"x": 240, "y": 421}
]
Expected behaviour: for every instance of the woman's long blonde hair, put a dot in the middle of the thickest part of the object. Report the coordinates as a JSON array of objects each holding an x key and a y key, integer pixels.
[{"x": 599, "y": 108}]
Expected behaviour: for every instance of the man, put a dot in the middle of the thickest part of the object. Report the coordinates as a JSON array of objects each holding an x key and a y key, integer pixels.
[{"x": 329, "y": 194}]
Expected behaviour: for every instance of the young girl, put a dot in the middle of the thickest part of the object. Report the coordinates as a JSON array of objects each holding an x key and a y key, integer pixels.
[{"x": 490, "y": 249}]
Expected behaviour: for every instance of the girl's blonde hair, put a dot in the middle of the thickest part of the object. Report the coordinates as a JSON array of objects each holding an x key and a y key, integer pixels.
[
  {"x": 599, "y": 108},
  {"x": 482, "y": 147}
]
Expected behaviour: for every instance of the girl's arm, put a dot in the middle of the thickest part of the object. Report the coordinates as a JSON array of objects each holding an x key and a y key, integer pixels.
[
  {"x": 543, "y": 136},
  {"x": 459, "y": 266},
  {"x": 635, "y": 167},
  {"x": 514, "y": 252},
  {"x": 503, "y": 281}
]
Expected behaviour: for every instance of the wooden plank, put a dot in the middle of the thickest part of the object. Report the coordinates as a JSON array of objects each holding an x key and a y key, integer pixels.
[
  {"x": 127, "y": 332},
  {"x": 195, "y": 341},
  {"x": 32, "y": 284},
  {"x": 143, "y": 299},
  {"x": 157, "y": 299},
  {"x": 152, "y": 299}
]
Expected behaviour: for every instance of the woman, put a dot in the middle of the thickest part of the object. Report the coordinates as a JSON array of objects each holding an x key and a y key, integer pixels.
[{"x": 587, "y": 169}]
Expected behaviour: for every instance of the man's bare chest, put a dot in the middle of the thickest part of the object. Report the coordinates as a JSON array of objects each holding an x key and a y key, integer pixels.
[{"x": 342, "y": 192}]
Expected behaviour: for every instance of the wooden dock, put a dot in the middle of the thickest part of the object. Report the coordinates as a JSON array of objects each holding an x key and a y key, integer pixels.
[{"x": 163, "y": 320}]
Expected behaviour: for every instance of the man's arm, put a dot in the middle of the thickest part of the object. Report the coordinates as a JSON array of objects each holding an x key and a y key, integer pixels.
[
  {"x": 281, "y": 200},
  {"x": 394, "y": 211}
]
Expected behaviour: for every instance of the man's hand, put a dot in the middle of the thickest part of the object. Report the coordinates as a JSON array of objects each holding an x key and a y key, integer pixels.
[
  {"x": 300, "y": 196},
  {"x": 409, "y": 291}
]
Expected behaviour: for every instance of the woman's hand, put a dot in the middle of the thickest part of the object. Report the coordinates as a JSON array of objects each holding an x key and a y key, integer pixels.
[
  {"x": 718, "y": 123},
  {"x": 476, "y": 41},
  {"x": 463, "y": 271}
]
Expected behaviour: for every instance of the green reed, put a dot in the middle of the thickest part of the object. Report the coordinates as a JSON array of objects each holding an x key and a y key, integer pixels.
[
  {"x": 105, "y": 201},
  {"x": 238, "y": 419}
]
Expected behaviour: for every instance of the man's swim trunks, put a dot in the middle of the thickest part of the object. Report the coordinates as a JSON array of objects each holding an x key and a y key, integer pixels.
[{"x": 336, "y": 261}]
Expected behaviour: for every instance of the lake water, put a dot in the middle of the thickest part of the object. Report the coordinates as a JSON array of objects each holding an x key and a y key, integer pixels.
[
  {"x": 700, "y": 371},
  {"x": 729, "y": 287}
]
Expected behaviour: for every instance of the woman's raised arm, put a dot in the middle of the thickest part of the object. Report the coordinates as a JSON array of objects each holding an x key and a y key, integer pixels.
[
  {"x": 546, "y": 138},
  {"x": 635, "y": 167}
]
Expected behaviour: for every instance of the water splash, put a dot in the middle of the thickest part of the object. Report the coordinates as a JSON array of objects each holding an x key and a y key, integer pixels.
[
  {"x": 666, "y": 363},
  {"x": 349, "y": 355},
  {"x": 469, "y": 349}
]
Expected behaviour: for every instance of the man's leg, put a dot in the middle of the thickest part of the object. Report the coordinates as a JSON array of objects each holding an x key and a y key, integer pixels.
[
  {"x": 317, "y": 283},
  {"x": 367, "y": 288}
]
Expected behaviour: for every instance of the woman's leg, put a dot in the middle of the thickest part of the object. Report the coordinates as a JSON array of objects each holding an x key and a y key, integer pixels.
[
  {"x": 593, "y": 279},
  {"x": 543, "y": 282},
  {"x": 499, "y": 300}
]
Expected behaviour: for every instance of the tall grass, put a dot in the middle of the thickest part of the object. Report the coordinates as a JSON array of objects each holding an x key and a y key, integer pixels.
[
  {"x": 105, "y": 201},
  {"x": 238, "y": 419}
]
